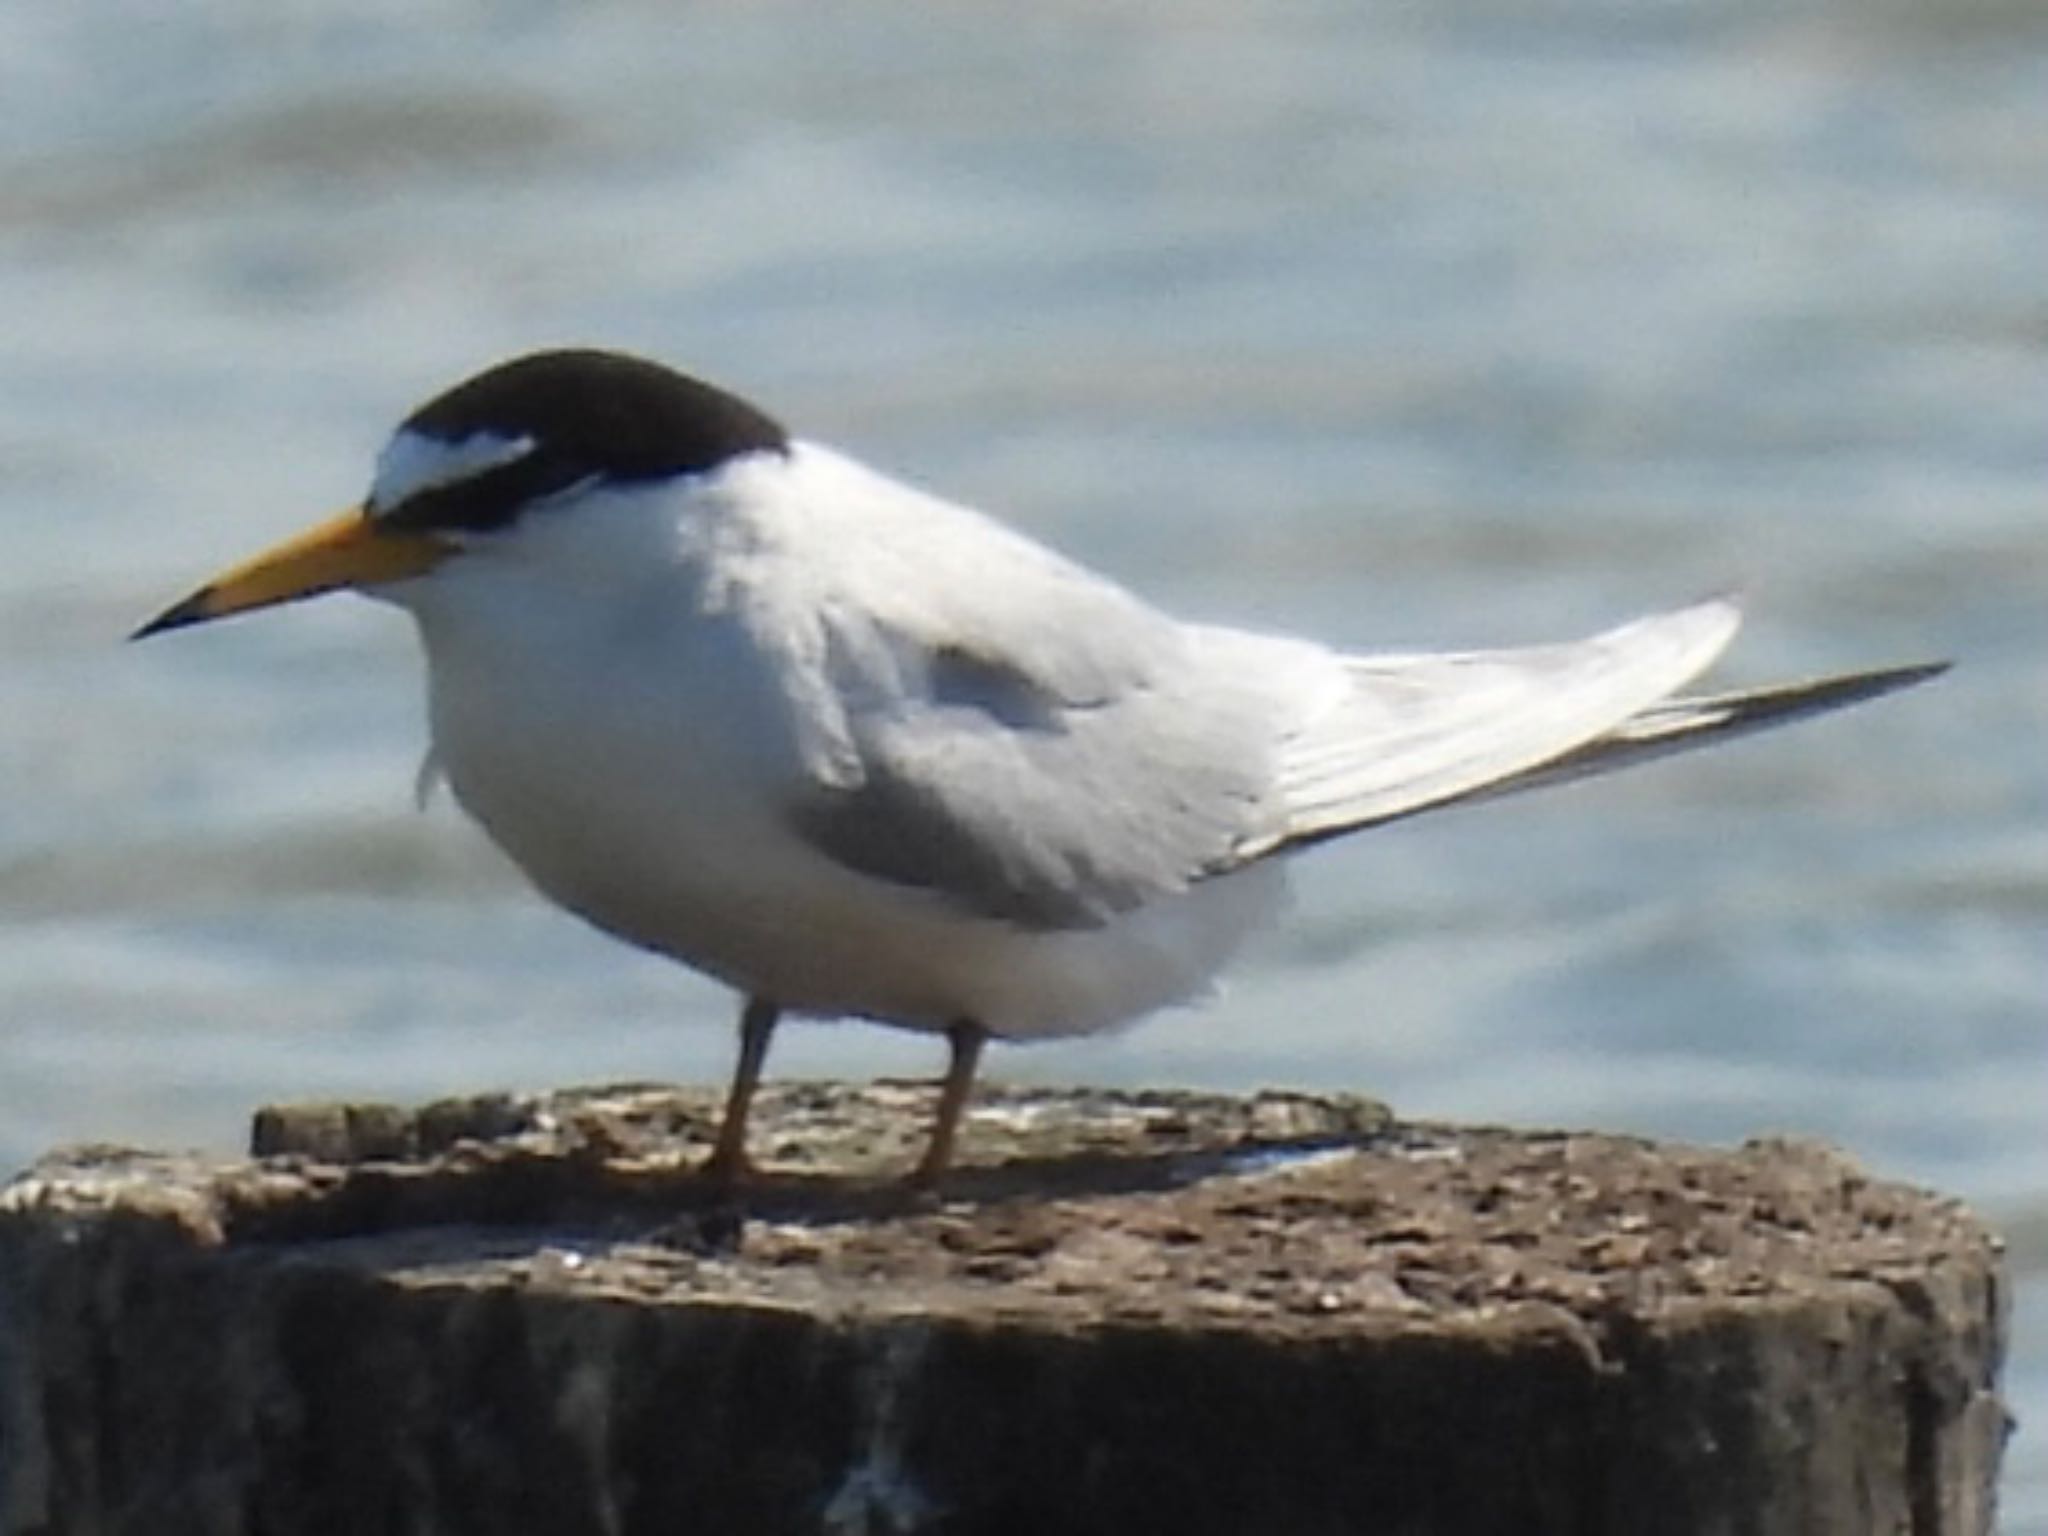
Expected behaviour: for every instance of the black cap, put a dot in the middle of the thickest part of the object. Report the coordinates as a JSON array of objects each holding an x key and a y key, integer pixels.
[{"x": 591, "y": 416}]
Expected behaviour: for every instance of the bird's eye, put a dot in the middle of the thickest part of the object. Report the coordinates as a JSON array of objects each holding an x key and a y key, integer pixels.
[{"x": 491, "y": 498}]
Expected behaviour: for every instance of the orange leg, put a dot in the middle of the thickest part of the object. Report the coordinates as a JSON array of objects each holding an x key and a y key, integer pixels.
[
  {"x": 966, "y": 1039},
  {"x": 728, "y": 1163}
]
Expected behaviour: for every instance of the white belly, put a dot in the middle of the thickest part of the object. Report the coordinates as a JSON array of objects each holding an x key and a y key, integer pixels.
[{"x": 646, "y": 816}]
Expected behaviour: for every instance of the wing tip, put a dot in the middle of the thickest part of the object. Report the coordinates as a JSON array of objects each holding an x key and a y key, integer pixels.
[{"x": 1874, "y": 684}]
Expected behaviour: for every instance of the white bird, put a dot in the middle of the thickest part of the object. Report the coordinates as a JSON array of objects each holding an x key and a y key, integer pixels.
[{"x": 854, "y": 750}]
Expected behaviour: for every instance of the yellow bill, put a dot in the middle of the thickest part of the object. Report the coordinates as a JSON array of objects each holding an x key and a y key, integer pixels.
[{"x": 351, "y": 550}]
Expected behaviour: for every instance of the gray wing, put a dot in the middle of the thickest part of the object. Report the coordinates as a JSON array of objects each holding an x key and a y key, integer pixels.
[
  {"x": 989, "y": 785},
  {"x": 983, "y": 720},
  {"x": 988, "y": 777},
  {"x": 979, "y": 718}
]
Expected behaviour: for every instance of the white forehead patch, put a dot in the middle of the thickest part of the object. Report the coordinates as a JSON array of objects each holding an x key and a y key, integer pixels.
[{"x": 412, "y": 462}]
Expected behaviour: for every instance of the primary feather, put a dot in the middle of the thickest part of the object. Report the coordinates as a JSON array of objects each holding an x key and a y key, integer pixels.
[{"x": 1415, "y": 731}]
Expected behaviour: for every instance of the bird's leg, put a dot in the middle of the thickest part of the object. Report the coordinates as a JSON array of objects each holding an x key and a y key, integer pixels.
[
  {"x": 966, "y": 1039},
  {"x": 728, "y": 1163}
]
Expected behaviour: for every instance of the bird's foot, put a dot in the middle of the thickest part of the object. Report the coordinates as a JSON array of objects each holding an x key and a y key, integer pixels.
[
  {"x": 728, "y": 1168},
  {"x": 924, "y": 1180}
]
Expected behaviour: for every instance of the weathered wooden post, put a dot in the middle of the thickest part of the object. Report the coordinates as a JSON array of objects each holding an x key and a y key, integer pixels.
[{"x": 1283, "y": 1315}]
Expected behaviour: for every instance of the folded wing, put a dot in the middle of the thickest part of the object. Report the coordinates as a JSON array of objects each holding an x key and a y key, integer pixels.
[{"x": 986, "y": 779}]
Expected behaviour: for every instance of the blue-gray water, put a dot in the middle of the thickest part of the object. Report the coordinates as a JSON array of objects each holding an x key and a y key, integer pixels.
[{"x": 1398, "y": 324}]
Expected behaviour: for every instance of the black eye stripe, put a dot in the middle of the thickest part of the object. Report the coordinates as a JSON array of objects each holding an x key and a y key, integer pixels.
[{"x": 492, "y": 498}]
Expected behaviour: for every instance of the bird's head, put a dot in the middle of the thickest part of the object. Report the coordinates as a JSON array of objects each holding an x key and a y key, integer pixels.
[{"x": 471, "y": 463}]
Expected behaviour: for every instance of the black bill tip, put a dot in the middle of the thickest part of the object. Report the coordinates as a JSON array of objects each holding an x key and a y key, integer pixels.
[{"x": 193, "y": 610}]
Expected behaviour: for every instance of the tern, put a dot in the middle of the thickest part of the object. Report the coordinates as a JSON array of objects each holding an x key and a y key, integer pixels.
[{"x": 854, "y": 750}]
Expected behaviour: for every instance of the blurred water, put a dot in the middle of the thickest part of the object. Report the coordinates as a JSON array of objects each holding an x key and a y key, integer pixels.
[{"x": 1396, "y": 324}]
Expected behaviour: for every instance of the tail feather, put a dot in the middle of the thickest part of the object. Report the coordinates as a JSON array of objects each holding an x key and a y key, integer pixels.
[
  {"x": 1416, "y": 732},
  {"x": 1412, "y": 731}
]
